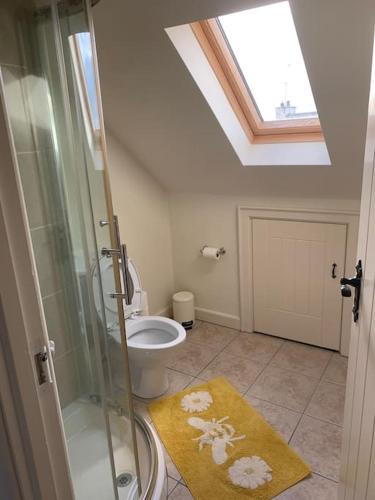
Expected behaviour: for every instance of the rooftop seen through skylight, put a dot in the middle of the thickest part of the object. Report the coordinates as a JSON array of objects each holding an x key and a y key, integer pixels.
[{"x": 265, "y": 46}]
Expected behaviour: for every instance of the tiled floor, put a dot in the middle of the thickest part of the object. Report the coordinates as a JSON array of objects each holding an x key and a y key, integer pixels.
[{"x": 298, "y": 389}]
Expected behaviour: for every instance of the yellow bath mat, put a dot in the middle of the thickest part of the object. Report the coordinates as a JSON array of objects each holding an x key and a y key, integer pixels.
[{"x": 222, "y": 447}]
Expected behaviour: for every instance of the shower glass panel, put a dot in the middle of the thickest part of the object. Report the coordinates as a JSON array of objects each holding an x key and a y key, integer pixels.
[{"x": 53, "y": 105}]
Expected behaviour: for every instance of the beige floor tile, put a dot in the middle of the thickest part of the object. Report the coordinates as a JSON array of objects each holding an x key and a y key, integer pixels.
[
  {"x": 254, "y": 346},
  {"x": 191, "y": 358},
  {"x": 172, "y": 470},
  {"x": 312, "y": 488},
  {"x": 240, "y": 372},
  {"x": 308, "y": 360},
  {"x": 336, "y": 369},
  {"x": 177, "y": 382},
  {"x": 181, "y": 493},
  {"x": 328, "y": 403},
  {"x": 195, "y": 382},
  {"x": 211, "y": 335},
  {"x": 319, "y": 444},
  {"x": 284, "y": 421},
  {"x": 284, "y": 388},
  {"x": 171, "y": 484}
]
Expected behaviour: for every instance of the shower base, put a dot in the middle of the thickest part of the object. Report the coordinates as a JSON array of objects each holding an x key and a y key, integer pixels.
[{"x": 89, "y": 460}]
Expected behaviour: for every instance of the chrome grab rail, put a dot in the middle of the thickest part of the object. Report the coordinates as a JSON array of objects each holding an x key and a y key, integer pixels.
[
  {"x": 110, "y": 252},
  {"x": 128, "y": 292},
  {"x": 122, "y": 255}
]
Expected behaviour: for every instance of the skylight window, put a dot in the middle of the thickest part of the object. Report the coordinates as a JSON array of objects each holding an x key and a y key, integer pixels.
[
  {"x": 257, "y": 59},
  {"x": 265, "y": 46},
  {"x": 83, "y": 47}
]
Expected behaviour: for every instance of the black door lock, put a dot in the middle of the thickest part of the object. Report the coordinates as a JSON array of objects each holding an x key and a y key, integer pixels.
[{"x": 355, "y": 282}]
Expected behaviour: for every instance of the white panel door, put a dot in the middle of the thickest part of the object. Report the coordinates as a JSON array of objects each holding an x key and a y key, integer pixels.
[{"x": 295, "y": 295}]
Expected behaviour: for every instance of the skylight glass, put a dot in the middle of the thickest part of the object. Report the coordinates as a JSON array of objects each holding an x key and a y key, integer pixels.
[
  {"x": 266, "y": 48},
  {"x": 84, "y": 46}
]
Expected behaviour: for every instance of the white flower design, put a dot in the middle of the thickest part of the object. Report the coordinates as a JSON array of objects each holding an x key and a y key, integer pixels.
[
  {"x": 216, "y": 434},
  {"x": 250, "y": 472},
  {"x": 196, "y": 401}
]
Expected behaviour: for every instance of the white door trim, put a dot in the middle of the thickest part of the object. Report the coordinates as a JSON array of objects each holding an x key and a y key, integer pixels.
[
  {"x": 357, "y": 437},
  {"x": 19, "y": 480},
  {"x": 25, "y": 334},
  {"x": 245, "y": 217}
]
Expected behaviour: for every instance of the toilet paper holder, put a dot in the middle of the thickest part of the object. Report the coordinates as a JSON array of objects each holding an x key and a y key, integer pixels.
[{"x": 221, "y": 250}]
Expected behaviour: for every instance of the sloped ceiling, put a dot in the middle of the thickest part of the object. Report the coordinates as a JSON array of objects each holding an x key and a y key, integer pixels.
[{"x": 152, "y": 105}]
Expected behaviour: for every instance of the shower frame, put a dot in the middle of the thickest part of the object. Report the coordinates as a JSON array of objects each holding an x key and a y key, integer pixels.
[
  {"x": 39, "y": 430},
  {"x": 37, "y": 407}
]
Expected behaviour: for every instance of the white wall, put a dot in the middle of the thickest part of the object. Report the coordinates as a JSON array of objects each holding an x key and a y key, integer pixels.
[
  {"x": 143, "y": 210},
  {"x": 165, "y": 231},
  {"x": 208, "y": 219},
  {"x": 156, "y": 109},
  {"x": 158, "y": 112}
]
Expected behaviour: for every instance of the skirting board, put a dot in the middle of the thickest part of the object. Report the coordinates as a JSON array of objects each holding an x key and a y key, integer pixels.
[
  {"x": 218, "y": 318},
  {"x": 166, "y": 312},
  {"x": 215, "y": 317}
]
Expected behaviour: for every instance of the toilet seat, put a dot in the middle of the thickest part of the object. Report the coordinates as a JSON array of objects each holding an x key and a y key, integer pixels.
[
  {"x": 151, "y": 336},
  {"x": 151, "y": 332}
]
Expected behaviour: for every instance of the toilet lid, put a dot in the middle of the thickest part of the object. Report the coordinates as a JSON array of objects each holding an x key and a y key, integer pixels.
[
  {"x": 137, "y": 294},
  {"x": 108, "y": 286}
]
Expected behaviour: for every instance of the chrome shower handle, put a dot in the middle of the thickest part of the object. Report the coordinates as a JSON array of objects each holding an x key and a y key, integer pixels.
[
  {"x": 110, "y": 252},
  {"x": 128, "y": 288},
  {"x": 122, "y": 256},
  {"x": 123, "y": 259}
]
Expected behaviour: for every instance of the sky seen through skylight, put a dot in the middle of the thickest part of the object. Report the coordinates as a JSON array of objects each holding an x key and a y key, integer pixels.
[{"x": 266, "y": 47}]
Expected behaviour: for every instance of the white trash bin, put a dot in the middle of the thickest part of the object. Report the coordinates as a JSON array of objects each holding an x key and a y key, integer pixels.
[{"x": 183, "y": 309}]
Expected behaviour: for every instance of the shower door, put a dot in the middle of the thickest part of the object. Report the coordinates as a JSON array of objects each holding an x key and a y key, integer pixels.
[{"x": 52, "y": 102}]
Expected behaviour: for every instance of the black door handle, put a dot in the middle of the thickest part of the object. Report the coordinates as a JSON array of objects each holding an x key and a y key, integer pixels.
[{"x": 355, "y": 282}]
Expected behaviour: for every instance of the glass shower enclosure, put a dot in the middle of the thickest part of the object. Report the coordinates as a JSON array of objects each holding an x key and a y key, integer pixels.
[{"x": 52, "y": 100}]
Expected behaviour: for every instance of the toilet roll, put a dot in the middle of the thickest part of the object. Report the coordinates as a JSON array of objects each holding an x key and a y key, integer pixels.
[{"x": 211, "y": 253}]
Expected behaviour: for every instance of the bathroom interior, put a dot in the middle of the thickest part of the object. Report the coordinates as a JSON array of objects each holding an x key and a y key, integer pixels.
[{"x": 128, "y": 167}]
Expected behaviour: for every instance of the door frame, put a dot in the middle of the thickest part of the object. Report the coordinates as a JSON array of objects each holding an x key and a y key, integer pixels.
[
  {"x": 349, "y": 218},
  {"x": 12, "y": 442},
  {"x": 37, "y": 434}
]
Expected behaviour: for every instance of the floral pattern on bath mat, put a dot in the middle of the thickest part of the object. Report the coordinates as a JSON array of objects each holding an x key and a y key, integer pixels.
[
  {"x": 250, "y": 472},
  {"x": 200, "y": 427},
  {"x": 196, "y": 401},
  {"x": 216, "y": 434}
]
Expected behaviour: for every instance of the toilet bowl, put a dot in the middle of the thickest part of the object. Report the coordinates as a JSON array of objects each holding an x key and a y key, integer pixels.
[{"x": 151, "y": 340}]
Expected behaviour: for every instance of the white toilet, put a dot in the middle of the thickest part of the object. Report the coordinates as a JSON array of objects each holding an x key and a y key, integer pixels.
[{"x": 151, "y": 340}]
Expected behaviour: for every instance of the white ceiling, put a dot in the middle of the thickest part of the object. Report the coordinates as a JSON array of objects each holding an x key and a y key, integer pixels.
[{"x": 153, "y": 106}]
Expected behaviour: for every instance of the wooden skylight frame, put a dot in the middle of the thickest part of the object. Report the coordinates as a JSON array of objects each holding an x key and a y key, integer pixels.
[{"x": 218, "y": 54}]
